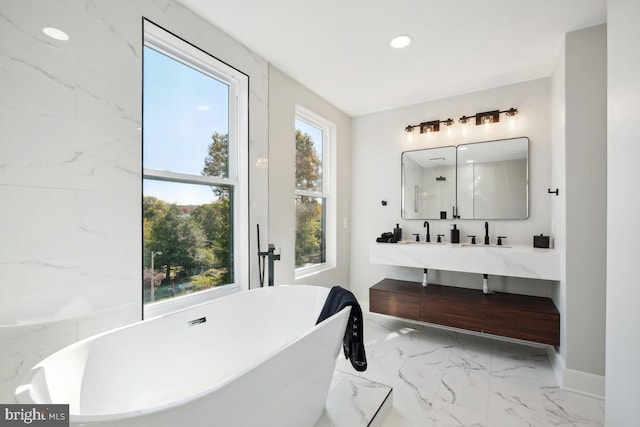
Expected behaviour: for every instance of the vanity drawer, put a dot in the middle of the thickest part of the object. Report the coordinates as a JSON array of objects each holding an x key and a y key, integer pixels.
[
  {"x": 394, "y": 304},
  {"x": 530, "y": 326},
  {"x": 447, "y": 313}
]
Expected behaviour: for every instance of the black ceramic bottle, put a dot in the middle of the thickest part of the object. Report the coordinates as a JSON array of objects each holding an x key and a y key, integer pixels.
[
  {"x": 455, "y": 234},
  {"x": 397, "y": 233}
]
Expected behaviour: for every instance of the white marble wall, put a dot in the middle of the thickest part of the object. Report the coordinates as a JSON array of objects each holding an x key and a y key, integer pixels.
[{"x": 70, "y": 166}]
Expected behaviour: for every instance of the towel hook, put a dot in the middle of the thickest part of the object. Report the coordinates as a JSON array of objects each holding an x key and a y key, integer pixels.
[{"x": 556, "y": 192}]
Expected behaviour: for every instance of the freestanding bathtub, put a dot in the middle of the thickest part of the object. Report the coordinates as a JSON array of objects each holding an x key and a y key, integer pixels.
[{"x": 255, "y": 358}]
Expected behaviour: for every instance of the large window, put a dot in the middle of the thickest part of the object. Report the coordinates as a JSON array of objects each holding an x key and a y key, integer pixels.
[
  {"x": 194, "y": 182},
  {"x": 314, "y": 193}
]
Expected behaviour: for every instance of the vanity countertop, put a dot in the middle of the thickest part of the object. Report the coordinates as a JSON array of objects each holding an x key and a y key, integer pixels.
[{"x": 507, "y": 260}]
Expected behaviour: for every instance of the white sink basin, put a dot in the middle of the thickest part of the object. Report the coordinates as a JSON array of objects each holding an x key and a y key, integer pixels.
[
  {"x": 483, "y": 246},
  {"x": 518, "y": 261},
  {"x": 413, "y": 242}
]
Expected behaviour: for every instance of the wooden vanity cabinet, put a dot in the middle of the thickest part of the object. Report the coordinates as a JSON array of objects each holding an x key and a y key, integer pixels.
[{"x": 523, "y": 317}]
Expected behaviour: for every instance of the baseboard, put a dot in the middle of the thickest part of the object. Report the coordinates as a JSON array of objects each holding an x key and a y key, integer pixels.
[
  {"x": 576, "y": 381},
  {"x": 584, "y": 383},
  {"x": 557, "y": 363}
]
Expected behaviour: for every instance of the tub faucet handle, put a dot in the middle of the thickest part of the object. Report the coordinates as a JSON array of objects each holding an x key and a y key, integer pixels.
[
  {"x": 473, "y": 238},
  {"x": 500, "y": 240},
  {"x": 440, "y": 236},
  {"x": 417, "y": 236}
]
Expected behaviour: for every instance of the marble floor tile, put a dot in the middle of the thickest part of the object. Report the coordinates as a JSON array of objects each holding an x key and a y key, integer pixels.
[
  {"x": 564, "y": 408},
  {"x": 442, "y": 377},
  {"x": 355, "y": 402}
]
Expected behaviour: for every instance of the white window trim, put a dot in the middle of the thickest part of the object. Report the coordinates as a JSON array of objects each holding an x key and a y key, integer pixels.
[
  {"x": 161, "y": 40},
  {"x": 329, "y": 189}
]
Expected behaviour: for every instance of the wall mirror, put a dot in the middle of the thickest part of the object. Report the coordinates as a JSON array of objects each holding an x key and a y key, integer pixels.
[
  {"x": 429, "y": 183},
  {"x": 492, "y": 179},
  {"x": 482, "y": 180}
]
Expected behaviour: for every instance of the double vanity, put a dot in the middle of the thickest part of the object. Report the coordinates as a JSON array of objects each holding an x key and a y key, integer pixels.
[
  {"x": 486, "y": 180},
  {"x": 511, "y": 315}
]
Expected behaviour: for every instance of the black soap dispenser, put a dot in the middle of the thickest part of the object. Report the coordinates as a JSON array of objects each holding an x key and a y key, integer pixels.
[
  {"x": 397, "y": 233},
  {"x": 455, "y": 234}
]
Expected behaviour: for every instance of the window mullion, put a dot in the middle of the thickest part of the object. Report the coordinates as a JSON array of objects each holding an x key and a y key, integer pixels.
[
  {"x": 314, "y": 194},
  {"x": 187, "y": 178}
]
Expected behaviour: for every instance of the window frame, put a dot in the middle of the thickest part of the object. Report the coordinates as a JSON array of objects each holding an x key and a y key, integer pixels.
[
  {"x": 182, "y": 51},
  {"x": 329, "y": 187}
]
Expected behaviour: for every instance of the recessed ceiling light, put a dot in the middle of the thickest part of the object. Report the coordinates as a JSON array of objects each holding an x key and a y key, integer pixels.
[
  {"x": 55, "y": 33},
  {"x": 403, "y": 40}
]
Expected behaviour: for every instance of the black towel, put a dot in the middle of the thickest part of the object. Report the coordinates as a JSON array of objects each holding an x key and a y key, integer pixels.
[{"x": 353, "y": 341}]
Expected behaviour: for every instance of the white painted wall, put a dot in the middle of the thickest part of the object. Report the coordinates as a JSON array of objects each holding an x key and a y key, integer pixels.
[
  {"x": 558, "y": 203},
  {"x": 579, "y": 213},
  {"x": 623, "y": 205},
  {"x": 284, "y": 94},
  {"x": 586, "y": 199},
  {"x": 378, "y": 141},
  {"x": 70, "y": 167}
]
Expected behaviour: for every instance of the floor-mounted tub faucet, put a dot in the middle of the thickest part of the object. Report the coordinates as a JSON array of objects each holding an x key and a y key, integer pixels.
[
  {"x": 426, "y": 224},
  {"x": 486, "y": 233},
  {"x": 271, "y": 256}
]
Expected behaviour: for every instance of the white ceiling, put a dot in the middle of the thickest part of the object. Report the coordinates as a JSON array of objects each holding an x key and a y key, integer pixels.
[{"x": 340, "y": 48}]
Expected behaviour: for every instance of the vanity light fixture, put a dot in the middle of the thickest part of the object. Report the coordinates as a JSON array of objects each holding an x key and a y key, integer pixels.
[
  {"x": 484, "y": 118},
  {"x": 488, "y": 117},
  {"x": 432, "y": 126}
]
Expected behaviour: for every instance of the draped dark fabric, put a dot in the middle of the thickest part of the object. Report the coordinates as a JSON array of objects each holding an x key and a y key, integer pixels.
[{"x": 353, "y": 341}]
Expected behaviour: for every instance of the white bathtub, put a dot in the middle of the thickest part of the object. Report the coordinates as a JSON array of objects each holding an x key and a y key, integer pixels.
[{"x": 257, "y": 360}]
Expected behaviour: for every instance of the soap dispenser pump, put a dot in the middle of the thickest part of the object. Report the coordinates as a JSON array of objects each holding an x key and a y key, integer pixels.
[
  {"x": 455, "y": 234},
  {"x": 397, "y": 233}
]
